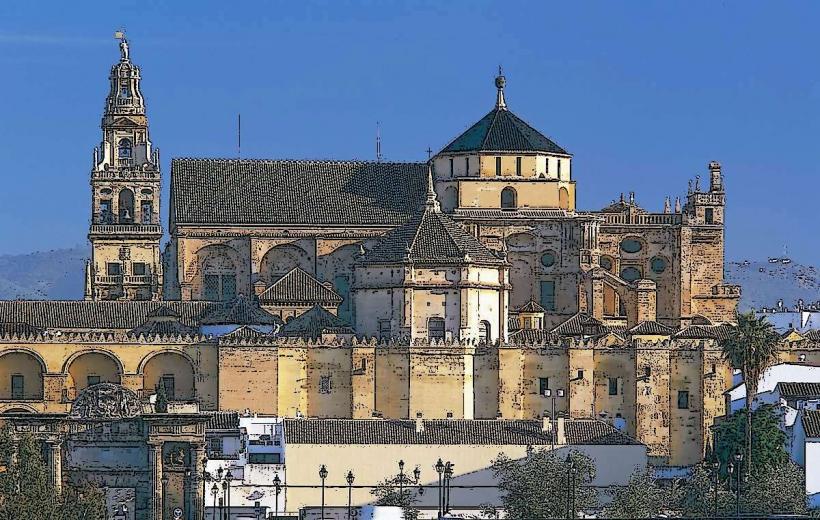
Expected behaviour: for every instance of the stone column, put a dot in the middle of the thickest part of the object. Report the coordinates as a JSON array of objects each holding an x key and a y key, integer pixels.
[
  {"x": 55, "y": 464},
  {"x": 196, "y": 496},
  {"x": 155, "y": 465}
]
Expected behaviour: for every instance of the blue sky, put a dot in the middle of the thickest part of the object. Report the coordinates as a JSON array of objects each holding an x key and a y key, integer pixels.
[{"x": 644, "y": 94}]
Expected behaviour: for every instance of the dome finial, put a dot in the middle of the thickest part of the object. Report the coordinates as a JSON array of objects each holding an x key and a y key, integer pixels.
[
  {"x": 500, "y": 82},
  {"x": 120, "y": 35}
]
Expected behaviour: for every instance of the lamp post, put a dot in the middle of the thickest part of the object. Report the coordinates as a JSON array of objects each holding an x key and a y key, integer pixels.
[
  {"x": 323, "y": 476},
  {"x": 739, "y": 460},
  {"x": 228, "y": 479},
  {"x": 225, "y": 501},
  {"x": 350, "y": 479},
  {"x": 277, "y": 486},
  {"x": 205, "y": 478},
  {"x": 439, "y": 467},
  {"x": 448, "y": 475},
  {"x": 716, "y": 469},
  {"x": 401, "y": 480},
  {"x": 215, "y": 493}
]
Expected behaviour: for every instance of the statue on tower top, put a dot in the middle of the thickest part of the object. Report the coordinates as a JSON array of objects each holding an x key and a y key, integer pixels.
[{"x": 120, "y": 35}]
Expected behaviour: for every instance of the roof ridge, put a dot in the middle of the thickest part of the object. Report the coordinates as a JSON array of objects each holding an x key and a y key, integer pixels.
[
  {"x": 490, "y": 126},
  {"x": 301, "y": 161}
]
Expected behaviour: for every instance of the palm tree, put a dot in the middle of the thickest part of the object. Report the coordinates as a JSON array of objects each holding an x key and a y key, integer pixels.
[{"x": 752, "y": 347}]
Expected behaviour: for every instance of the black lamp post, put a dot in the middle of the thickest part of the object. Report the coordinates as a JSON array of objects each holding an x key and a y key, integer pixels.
[
  {"x": 205, "y": 478},
  {"x": 228, "y": 479},
  {"x": 448, "y": 475},
  {"x": 277, "y": 486},
  {"x": 571, "y": 472},
  {"x": 350, "y": 478},
  {"x": 439, "y": 467},
  {"x": 323, "y": 476},
  {"x": 716, "y": 469},
  {"x": 215, "y": 493},
  {"x": 225, "y": 501},
  {"x": 401, "y": 480},
  {"x": 739, "y": 460}
]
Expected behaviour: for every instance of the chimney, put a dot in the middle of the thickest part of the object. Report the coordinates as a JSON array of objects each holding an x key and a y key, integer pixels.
[
  {"x": 560, "y": 431},
  {"x": 546, "y": 424},
  {"x": 419, "y": 423}
]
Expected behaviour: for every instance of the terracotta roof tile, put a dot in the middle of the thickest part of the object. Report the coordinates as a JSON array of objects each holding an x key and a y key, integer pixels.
[{"x": 298, "y": 287}]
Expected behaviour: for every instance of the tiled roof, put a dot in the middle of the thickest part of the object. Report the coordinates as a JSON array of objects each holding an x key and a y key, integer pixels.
[
  {"x": 704, "y": 332},
  {"x": 299, "y": 286},
  {"x": 95, "y": 314},
  {"x": 581, "y": 325},
  {"x": 163, "y": 311},
  {"x": 512, "y": 322},
  {"x": 245, "y": 332},
  {"x": 651, "y": 327},
  {"x": 431, "y": 237},
  {"x": 531, "y": 306},
  {"x": 811, "y": 422},
  {"x": 314, "y": 323},
  {"x": 533, "y": 336},
  {"x": 502, "y": 131},
  {"x": 239, "y": 311},
  {"x": 447, "y": 431},
  {"x": 223, "y": 421},
  {"x": 164, "y": 327},
  {"x": 812, "y": 335},
  {"x": 799, "y": 389},
  {"x": 333, "y": 193}
]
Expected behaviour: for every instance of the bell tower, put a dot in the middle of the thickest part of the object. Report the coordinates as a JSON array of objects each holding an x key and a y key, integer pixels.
[{"x": 125, "y": 230}]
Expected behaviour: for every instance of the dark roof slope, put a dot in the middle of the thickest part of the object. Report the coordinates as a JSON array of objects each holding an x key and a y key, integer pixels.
[
  {"x": 314, "y": 323},
  {"x": 811, "y": 422},
  {"x": 532, "y": 306},
  {"x": 430, "y": 238},
  {"x": 704, "y": 332},
  {"x": 223, "y": 421},
  {"x": 96, "y": 314},
  {"x": 299, "y": 286},
  {"x": 651, "y": 328},
  {"x": 239, "y": 311},
  {"x": 333, "y": 193},
  {"x": 502, "y": 131},
  {"x": 447, "y": 431},
  {"x": 581, "y": 325},
  {"x": 533, "y": 336},
  {"x": 799, "y": 389}
]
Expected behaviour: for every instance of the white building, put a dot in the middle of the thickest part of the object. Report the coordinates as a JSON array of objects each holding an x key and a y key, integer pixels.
[
  {"x": 781, "y": 373},
  {"x": 806, "y": 451}
]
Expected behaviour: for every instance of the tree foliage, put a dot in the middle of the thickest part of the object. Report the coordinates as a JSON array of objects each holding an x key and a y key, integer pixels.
[
  {"x": 542, "y": 484},
  {"x": 26, "y": 492},
  {"x": 161, "y": 404},
  {"x": 751, "y": 347},
  {"x": 642, "y": 497},
  {"x": 389, "y": 493},
  {"x": 768, "y": 440}
]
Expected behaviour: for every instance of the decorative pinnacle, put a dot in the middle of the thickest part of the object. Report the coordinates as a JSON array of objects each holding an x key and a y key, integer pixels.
[
  {"x": 500, "y": 82},
  {"x": 432, "y": 201},
  {"x": 124, "y": 53}
]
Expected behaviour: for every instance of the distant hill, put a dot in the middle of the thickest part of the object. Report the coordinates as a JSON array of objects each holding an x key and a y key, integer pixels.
[
  {"x": 45, "y": 275},
  {"x": 58, "y": 275},
  {"x": 764, "y": 283}
]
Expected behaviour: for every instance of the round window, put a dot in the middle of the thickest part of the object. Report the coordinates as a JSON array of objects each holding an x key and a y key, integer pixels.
[
  {"x": 606, "y": 263},
  {"x": 548, "y": 259},
  {"x": 630, "y": 245},
  {"x": 630, "y": 274},
  {"x": 658, "y": 265}
]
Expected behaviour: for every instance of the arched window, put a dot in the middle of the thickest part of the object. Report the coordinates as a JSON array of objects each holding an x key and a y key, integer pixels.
[
  {"x": 484, "y": 332},
  {"x": 435, "y": 328},
  {"x": 219, "y": 279},
  {"x": 630, "y": 274},
  {"x": 563, "y": 198},
  {"x": 124, "y": 149},
  {"x": 509, "y": 198},
  {"x": 126, "y": 206}
]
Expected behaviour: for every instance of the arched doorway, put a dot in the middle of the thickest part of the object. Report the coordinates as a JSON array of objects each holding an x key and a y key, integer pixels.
[
  {"x": 509, "y": 198},
  {"x": 21, "y": 376},
  {"x": 172, "y": 370},
  {"x": 563, "y": 198},
  {"x": 89, "y": 369}
]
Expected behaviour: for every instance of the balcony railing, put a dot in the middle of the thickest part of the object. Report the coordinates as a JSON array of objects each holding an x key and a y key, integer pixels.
[
  {"x": 131, "y": 229},
  {"x": 644, "y": 219},
  {"x": 119, "y": 279}
]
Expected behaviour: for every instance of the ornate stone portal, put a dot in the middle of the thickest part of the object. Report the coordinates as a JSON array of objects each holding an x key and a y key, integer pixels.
[{"x": 114, "y": 440}]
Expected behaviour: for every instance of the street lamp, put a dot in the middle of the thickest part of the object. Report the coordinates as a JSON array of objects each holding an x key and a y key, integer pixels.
[
  {"x": 439, "y": 467},
  {"x": 350, "y": 479},
  {"x": 225, "y": 499},
  {"x": 570, "y": 486},
  {"x": 739, "y": 460},
  {"x": 215, "y": 493},
  {"x": 448, "y": 474},
  {"x": 548, "y": 393},
  {"x": 277, "y": 486},
  {"x": 228, "y": 479},
  {"x": 323, "y": 476},
  {"x": 401, "y": 480}
]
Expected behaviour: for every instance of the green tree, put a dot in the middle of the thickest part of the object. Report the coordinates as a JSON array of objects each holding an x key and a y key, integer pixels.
[
  {"x": 389, "y": 493},
  {"x": 751, "y": 347},
  {"x": 26, "y": 492},
  {"x": 777, "y": 489},
  {"x": 697, "y": 496},
  {"x": 642, "y": 497},
  {"x": 542, "y": 485},
  {"x": 769, "y": 439}
]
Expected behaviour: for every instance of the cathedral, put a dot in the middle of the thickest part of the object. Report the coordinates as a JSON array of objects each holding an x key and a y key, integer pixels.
[{"x": 468, "y": 287}]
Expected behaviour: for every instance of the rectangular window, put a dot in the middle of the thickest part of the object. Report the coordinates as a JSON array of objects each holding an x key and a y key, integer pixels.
[
  {"x": 113, "y": 268},
  {"x": 580, "y": 375},
  {"x": 543, "y": 385},
  {"x": 384, "y": 329},
  {"x": 211, "y": 287},
  {"x": 559, "y": 167},
  {"x": 498, "y": 165},
  {"x": 17, "y": 386},
  {"x": 324, "y": 384},
  {"x": 452, "y": 168},
  {"x": 466, "y": 166},
  {"x": 93, "y": 380},
  {"x": 683, "y": 399},
  {"x": 228, "y": 287},
  {"x": 709, "y": 215},
  {"x": 139, "y": 269},
  {"x": 546, "y": 164},
  {"x": 169, "y": 384},
  {"x": 105, "y": 211},
  {"x": 518, "y": 165},
  {"x": 613, "y": 386},
  {"x": 548, "y": 295},
  {"x": 435, "y": 328},
  {"x": 264, "y": 458},
  {"x": 215, "y": 445}
]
